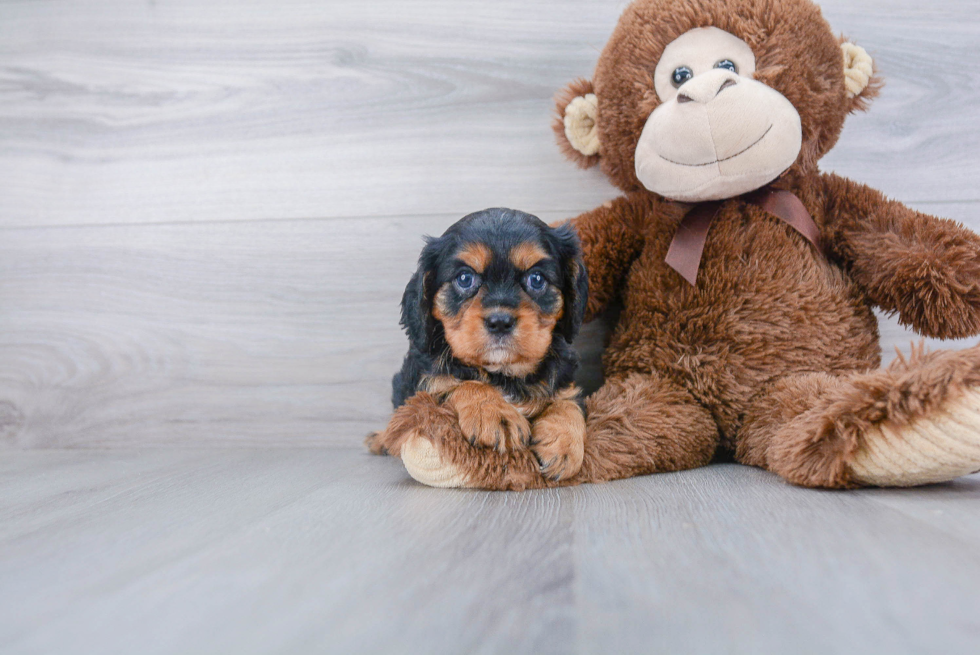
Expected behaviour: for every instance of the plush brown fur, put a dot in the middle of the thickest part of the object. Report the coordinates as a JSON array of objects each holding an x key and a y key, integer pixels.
[
  {"x": 807, "y": 426},
  {"x": 421, "y": 412},
  {"x": 773, "y": 356}
]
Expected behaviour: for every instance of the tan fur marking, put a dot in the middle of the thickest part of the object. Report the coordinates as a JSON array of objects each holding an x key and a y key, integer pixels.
[
  {"x": 439, "y": 385},
  {"x": 465, "y": 331},
  {"x": 558, "y": 439},
  {"x": 468, "y": 338},
  {"x": 532, "y": 337},
  {"x": 475, "y": 255},
  {"x": 526, "y": 255},
  {"x": 486, "y": 418},
  {"x": 541, "y": 398}
]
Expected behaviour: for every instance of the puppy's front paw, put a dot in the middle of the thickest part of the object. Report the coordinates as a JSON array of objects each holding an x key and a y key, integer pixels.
[
  {"x": 486, "y": 419},
  {"x": 558, "y": 440}
]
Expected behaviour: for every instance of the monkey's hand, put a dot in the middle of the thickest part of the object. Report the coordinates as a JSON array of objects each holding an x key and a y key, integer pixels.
[{"x": 924, "y": 268}]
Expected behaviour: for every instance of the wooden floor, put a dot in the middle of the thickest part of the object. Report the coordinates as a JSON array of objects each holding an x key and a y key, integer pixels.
[
  {"x": 208, "y": 211},
  {"x": 333, "y": 550}
]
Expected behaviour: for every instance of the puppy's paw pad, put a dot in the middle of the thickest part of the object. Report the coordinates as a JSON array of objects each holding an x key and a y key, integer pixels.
[{"x": 425, "y": 465}]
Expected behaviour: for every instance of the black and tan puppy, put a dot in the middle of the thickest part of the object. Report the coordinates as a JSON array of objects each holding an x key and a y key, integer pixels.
[{"x": 490, "y": 315}]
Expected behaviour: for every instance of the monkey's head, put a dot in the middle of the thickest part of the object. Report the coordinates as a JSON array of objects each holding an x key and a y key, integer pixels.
[{"x": 708, "y": 99}]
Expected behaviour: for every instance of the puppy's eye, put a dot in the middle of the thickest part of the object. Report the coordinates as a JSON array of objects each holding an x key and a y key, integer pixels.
[
  {"x": 728, "y": 64},
  {"x": 465, "y": 281},
  {"x": 535, "y": 281},
  {"x": 681, "y": 75}
]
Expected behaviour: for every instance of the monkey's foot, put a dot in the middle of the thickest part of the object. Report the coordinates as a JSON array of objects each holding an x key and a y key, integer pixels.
[
  {"x": 940, "y": 445},
  {"x": 424, "y": 463},
  {"x": 442, "y": 457}
]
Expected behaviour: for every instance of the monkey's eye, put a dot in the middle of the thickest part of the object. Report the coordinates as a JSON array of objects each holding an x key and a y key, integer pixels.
[
  {"x": 727, "y": 63},
  {"x": 681, "y": 75},
  {"x": 535, "y": 281},
  {"x": 465, "y": 280}
]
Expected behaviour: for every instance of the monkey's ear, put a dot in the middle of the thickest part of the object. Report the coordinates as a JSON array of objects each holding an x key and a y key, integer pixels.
[
  {"x": 575, "y": 280},
  {"x": 859, "y": 76},
  {"x": 417, "y": 300},
  {"x": 575, "y": 123}
]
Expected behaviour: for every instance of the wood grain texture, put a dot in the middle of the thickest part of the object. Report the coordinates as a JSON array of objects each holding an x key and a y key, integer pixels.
[
  {"x": 114, "y": 112},
  {"x": 332, "y": 550},
  {"x": 729, "y": 559},
  {"x": 251, "y": 551},
  {"x": 239, "y": 334},
  {"x": 209, "y": 210}
]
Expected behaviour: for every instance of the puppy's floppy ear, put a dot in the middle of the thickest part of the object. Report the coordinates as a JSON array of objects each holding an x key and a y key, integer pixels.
[
  {"x": 575, "y": 279},
  {"x": 419, "y": 294}
]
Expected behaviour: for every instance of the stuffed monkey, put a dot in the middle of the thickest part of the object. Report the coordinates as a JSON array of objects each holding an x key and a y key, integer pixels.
[{"x": 747, "y": 276}]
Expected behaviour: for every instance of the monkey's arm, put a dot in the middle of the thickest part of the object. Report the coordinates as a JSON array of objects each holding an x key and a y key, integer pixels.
[
  {"x": 925, "y": 269},
  {"x": 611, "y": 240}
]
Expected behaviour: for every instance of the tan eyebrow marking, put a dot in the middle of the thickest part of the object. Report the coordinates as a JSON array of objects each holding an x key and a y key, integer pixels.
[
  {"x": 526, "y": 255},
  {"x": 475, "y": 255}
]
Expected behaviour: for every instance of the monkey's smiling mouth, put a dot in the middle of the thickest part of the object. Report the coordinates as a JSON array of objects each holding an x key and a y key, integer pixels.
[{"x": 718, "y": 161}]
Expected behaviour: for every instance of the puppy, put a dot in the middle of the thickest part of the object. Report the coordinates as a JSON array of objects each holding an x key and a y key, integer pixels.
[{"x": 490, "y": 315}]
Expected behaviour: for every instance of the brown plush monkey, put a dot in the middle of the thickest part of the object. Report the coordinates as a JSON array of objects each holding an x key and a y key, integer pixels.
[{"x": 747, "y": 276}]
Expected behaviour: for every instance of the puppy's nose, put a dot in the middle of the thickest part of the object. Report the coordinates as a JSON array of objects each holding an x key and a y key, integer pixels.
[{"x": 500, "y": 323}]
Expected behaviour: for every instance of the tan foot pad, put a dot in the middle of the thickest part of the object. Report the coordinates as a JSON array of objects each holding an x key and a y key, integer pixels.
[
  {"x": 423, "y": 463},
  {"x": 934, "y": 448}
]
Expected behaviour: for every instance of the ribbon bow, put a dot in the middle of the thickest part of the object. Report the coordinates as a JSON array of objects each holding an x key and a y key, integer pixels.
[{"x": 684, "y": 254}]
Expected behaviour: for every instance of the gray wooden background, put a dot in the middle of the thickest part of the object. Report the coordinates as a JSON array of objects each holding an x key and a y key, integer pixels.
[{"x": 208, "y": 209}]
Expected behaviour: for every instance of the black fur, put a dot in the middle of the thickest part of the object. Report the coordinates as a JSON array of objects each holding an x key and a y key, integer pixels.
[{"x": 499, "y": 229}]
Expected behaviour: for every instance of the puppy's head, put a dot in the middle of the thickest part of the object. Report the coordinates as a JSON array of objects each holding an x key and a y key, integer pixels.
[{"x": 495, "y": 289}]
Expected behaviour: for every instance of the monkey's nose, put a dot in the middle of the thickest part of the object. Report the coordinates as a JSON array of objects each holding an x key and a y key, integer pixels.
[
  {"x": 500, "y": 323},
  {"x": 705, "y": 87}
]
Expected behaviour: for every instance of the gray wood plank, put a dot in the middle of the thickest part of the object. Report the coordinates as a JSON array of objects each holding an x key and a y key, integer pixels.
[
  {"x": 731, "y": 559},
  {"x": 114, "y": 112},
  {"x": 252, "y": 551},
  {"x": 332, "y": 550},
  {"x": 255, "y": 333}
]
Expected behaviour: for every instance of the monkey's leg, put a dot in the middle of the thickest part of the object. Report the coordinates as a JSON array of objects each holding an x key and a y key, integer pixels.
[
  {"x": 441, "y": 453},
  {"x": 641, "y": 424},
  {"x": 916, "y": 422},
  {"x": 438, "y": 454},
  {"x": 645, "y": 424}
]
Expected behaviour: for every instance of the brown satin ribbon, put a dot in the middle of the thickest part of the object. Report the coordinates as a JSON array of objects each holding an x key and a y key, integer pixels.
[{"x": 684, "y": 254}]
